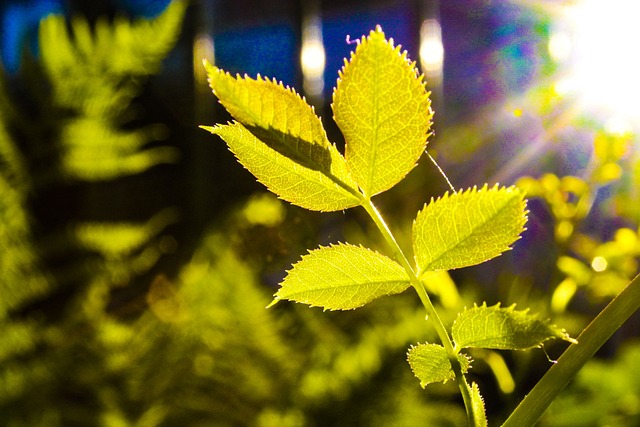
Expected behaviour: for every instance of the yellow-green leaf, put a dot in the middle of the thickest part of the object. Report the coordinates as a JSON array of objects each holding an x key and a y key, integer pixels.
[
  {"x": 503, "y": 329},
  {"x": 467, "y": 228},
  {"x": 477, "y": 403},
  {"x": 342, "y": 277},
  {"x": 281, "y": 141},
  {"x": 431, "y": 364},
  {"x": 383, "y": 109}
]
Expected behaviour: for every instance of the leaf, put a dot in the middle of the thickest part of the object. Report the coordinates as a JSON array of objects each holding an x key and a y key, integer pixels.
[
  {"x": 383, "y": 109},
  {"x": 281, "y": 141},
  {"x": 121, "y": 239},
  {"x": 467, "y": 228},
  {"x": 503, "y": 329},
  {"x": 342, "y": 277},
  {"x": 95, "y": 151},
  {"x": 431, "y": 364},
  {"x": 95, "y": 70},
  {"x": 477, "y": 402}
]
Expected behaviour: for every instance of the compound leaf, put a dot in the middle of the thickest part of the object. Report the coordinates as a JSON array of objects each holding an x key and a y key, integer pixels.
[
  {"x": 503, "y": 329},
  {"x": 383, "y": 109},
  {"x": 467, "y": 228},
  {"x": 342, "y": 277},
  {"x": 281, "y": 141},
  {"x": 431, "y": 364}
]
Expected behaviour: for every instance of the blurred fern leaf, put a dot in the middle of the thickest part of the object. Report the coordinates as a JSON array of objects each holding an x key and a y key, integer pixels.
[{"x": 95, "y": 75}]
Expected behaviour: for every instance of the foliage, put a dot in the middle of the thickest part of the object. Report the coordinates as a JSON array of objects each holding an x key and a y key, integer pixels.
[
  {"x": 602, "y": 268},
  {"x": 381, "y": 106},
  {"x": 198, "y": 347},
  {"x": 69, "y": 128},
  {"x": 70, "y": 358},
  {"x": 604, "y": 393}
]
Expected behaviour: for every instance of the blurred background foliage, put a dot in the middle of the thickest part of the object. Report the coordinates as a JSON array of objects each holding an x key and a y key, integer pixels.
[{"x": 136, "y": 256}]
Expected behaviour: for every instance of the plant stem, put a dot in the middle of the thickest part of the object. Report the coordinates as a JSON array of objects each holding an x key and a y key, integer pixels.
[
  {"x": 426, "y": 302},
  {"x": 529, "y": 411}
]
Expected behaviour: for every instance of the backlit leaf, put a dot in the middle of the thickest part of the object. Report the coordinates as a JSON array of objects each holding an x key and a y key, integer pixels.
[
  {"x": 281, "y": 141},
  {"x": 503, "y": 329},
  {"x": 431, "y": 364},
  {"x": 342, "y": 277},
  {"x": 467, "y": 228},
  {"x": 383, "y": 109},
  {"x": 477, "y": 402}
]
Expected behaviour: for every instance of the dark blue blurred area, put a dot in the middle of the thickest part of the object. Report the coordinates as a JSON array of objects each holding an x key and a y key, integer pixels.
[
  {"x": 268, "y": 50},
  {"x": 142, "y": 8},
  {"x": 395, "y": 19},
  {"x": 492, "y": 49},
  {"x": 19, "y": 20}
]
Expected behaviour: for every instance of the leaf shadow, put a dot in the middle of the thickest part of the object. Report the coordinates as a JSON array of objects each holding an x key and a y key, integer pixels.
[{"x": 308, "y": 154}]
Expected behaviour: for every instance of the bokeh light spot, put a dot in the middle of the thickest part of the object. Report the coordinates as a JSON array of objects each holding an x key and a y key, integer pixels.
[{"x": 599, "y": 264}]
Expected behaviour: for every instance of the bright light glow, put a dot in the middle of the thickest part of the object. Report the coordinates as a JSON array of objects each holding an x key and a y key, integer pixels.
[
  {"x": 203, "y": 48},
  {"x": 431, "y": 49},
  {"x": 599, "y": 264},
  {"x": 313, "y": 57},
  {"x": 560, "y": 46},
  {"x": 598, "y": 44}
]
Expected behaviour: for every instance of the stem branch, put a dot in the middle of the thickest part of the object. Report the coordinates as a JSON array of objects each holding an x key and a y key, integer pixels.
[
  {"x": 529, "y": 411},
  {"x": 426, "y": 302}
]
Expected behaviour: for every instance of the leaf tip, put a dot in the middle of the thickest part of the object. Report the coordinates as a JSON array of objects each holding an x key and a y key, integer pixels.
[
  {"x": 208, "y": 128},
  {"x": 274, "y": 302}
]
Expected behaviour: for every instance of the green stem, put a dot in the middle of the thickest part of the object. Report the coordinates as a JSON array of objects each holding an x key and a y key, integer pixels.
[
  {"x": 573, "y": 359},
  {"x": 417, "y": 284}
]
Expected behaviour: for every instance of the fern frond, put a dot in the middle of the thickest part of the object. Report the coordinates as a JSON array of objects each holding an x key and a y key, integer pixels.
[{"x": 94, "y": 74}]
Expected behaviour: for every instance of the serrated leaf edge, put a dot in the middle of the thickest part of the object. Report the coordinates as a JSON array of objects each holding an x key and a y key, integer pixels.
[
  {"x": 210, "y": 68},
  {"x": 565, "y": 335},
  {"x": 404, "y": 55},
  {"x": 465, "y": 355},
  {"x": 420, "y": 77},
  {"x": 332, "y": 178},
  {"x": 276, "y": 298},
  {"x": 470, "y": 190}
]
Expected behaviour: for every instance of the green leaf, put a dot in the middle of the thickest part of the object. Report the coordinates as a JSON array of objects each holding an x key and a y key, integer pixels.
[
  {"x": 281, "y": 141},
  {"x": 342, "y": 277},
  {"x": 383, "y": 109},
  {"x": 503, "y": 329},
  {"x": 467, "y": 228},
  {"x": 431, "y": 364},
  {"x": 121, "y": 239},
  {"x": 477, "y": 402}
]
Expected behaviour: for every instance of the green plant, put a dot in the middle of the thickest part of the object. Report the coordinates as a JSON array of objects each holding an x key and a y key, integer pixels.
[
  {"x": 383, "y": 110},
  {"x": 58, "y": 275}
]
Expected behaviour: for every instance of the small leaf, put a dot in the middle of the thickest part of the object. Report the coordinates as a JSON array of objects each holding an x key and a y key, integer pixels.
[
  {"x": 281, "y": 141},
  {"x": 477, "y": 402},
  {"x": 503, "y": 329},
  {"x": 431, "y": 364},
  {"x": 467, "y": 228},
  {"x": 383, "y": 109},
  {"x": 342, "y": 277}
]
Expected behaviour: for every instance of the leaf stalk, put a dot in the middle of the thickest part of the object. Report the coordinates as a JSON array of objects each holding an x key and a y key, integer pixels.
[{"x": 417, "y": 284}]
